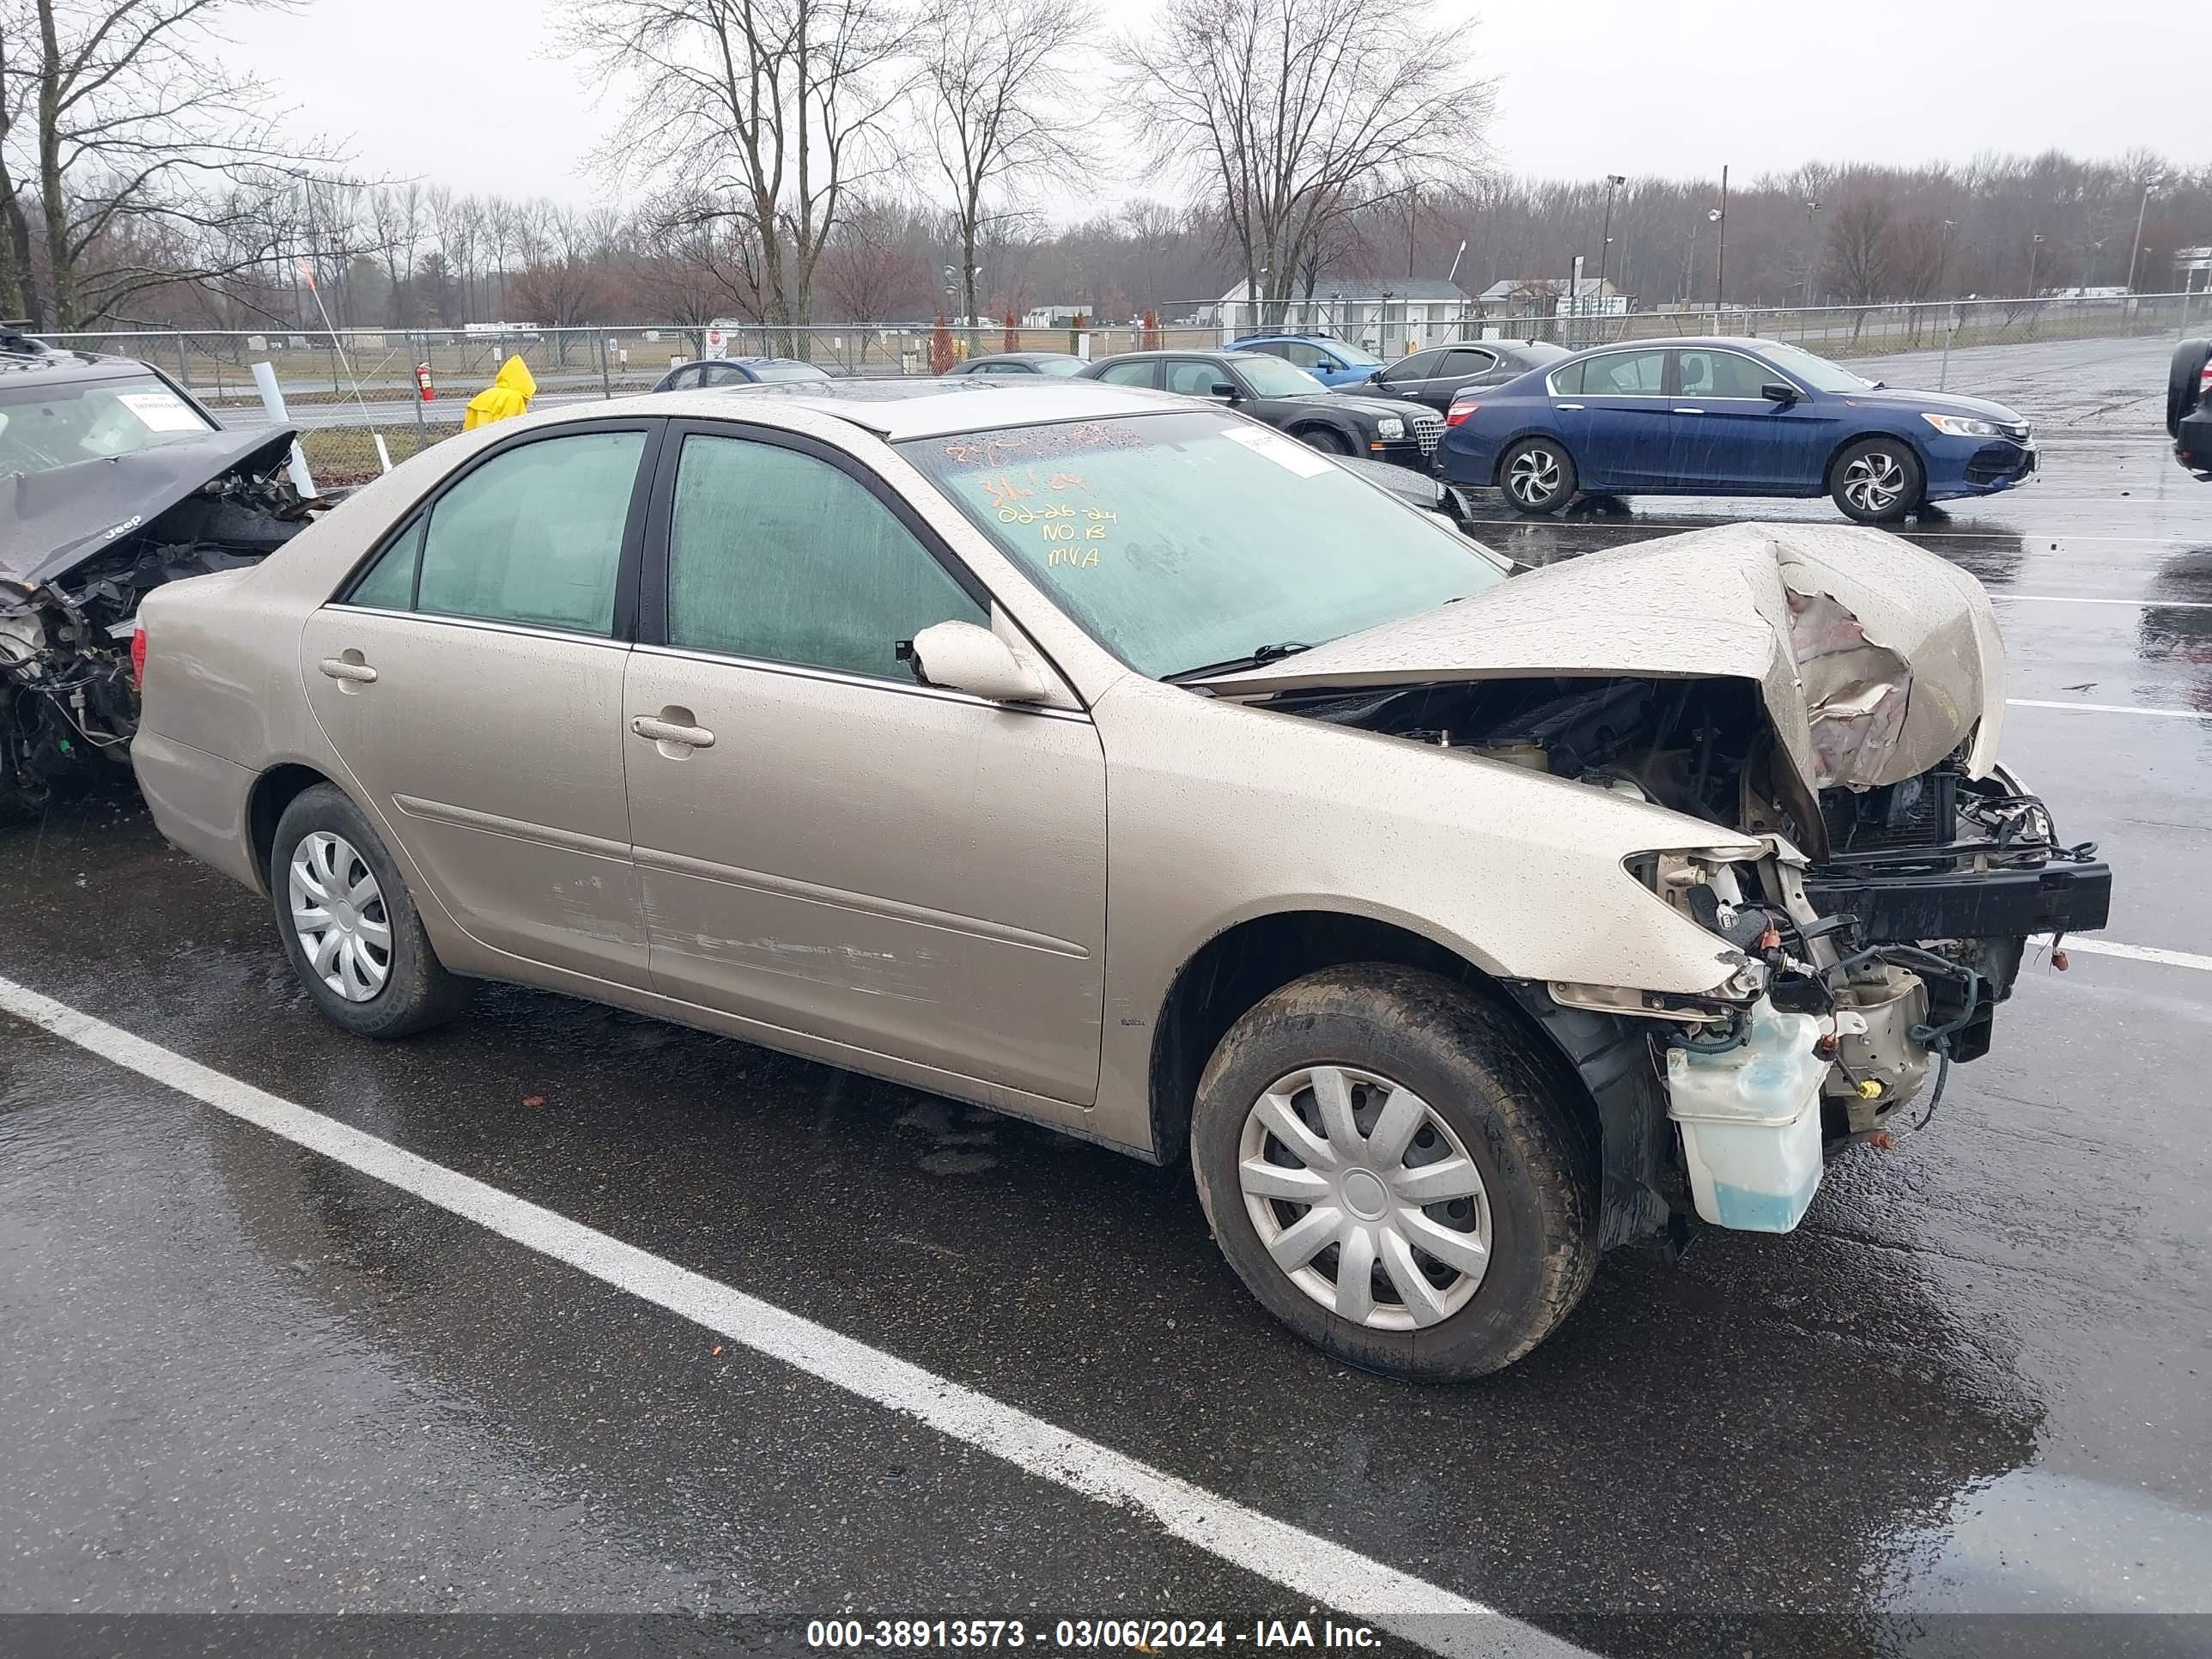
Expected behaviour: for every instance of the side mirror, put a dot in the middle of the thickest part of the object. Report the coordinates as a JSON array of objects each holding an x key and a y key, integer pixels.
[
  {"x": 962, "y": 657},
  {"x": 1224, "y": 389},
  {"x": 1775, "y": 392}
]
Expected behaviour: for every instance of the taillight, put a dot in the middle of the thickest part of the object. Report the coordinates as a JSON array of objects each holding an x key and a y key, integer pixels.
[
  {"x": 1459, "y": 410},
  {"x": 2204, "y": 380},
  {"x": 138, "y": 656}
]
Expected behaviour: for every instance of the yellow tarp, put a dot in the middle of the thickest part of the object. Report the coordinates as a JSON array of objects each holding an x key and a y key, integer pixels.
[{"x": 508, "y": 394}]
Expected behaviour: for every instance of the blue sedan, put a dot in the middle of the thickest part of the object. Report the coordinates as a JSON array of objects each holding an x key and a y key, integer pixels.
[{"x": 1728, "y": 417}]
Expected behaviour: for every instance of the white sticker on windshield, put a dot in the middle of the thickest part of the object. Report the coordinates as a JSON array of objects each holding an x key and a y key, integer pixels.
[
  {"x": 1283, "y": 451},
  {"x": 161, "y": 412}
]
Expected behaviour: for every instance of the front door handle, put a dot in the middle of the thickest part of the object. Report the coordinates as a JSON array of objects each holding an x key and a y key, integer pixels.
[
  {"x": 341, "y": 668},
  {"x": 1680, "y": 410},
  {"x": 1566, "y": 406},
  {"x": 660, "y": 731}
]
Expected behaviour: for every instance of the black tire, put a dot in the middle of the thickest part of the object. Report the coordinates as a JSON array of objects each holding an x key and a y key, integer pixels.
[
  {"x": 1538, "y": 476},
  {"x": 416, "y": 992},
  {"x": 1877, "y": 480},
  {"x": 2182, "y": 377},
  {"x": 1325, "y": 439},
  {"x": 1505, "y": 1101}
]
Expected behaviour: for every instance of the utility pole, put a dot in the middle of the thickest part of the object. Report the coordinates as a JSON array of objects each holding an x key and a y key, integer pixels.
[
  {"x": 2151, "y": 187},
  {"x": 2034, "y": 247},
  {"x": 1720, "y": 259},
  {"x": 1812, "y": 253},
  {"x": 1613, "y": 181}
]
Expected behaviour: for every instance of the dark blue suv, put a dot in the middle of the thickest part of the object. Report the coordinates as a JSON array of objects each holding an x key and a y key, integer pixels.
[{"x": 1728, "y": 417}]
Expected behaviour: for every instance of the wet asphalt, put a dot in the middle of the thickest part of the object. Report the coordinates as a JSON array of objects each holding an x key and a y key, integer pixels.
[{"x": 238, "y": 1378}]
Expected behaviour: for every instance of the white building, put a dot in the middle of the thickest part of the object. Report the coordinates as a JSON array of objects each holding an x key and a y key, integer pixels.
[
  {"x": 1554, "y": 296},
  {"x": 1388, "y": 316}
]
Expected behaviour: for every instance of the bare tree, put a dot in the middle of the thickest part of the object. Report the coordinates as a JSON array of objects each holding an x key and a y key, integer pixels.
[
  {"x": 1294, "y": 113},
  {"x": 1859, "y": 248},
  {"x": 872, "y": 269},
  {"x": 123, "y": 133},
  {"x": 780, "y": 106},
  {"x": 999, "y": 106},
  {"x": 395, "y": 220}
]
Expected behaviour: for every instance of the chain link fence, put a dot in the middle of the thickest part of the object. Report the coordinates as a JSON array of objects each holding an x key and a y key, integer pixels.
[{"x": 350, "y": 388}]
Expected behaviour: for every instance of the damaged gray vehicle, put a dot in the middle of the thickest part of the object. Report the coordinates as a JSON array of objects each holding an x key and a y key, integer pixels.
[{"x": 114, "y": 480}]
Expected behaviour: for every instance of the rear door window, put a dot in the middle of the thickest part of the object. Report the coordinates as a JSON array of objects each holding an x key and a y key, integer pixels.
[
  {"x": 1465, "y": 362},
  {"x": 532, "y": 535},
  {"x": 1632, "y": 374}
]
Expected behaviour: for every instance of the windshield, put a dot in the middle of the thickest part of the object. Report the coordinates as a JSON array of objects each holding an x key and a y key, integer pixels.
[
  {"x": 45, "y": 426},
  {"x": 1816, "y": 372},
  {"x": 1186, "y": 539},
  {"x": 1271, "y": 377},
  {"x": 1357, "y": 356},
  {"x": 769, "y": 372},
  {"x": 1059, "y": 365}
]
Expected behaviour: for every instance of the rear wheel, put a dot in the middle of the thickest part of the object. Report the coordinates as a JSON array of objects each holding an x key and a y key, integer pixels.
[
  {"x": 1538, "y": 476},
  {"x": 1877, "y": 480},
  {"x": 1391, "y": 1169},
  {"x": 1326, "y": 440},
  {"x": 349, "y": 925},
  {"x": 2184, "y": 375}
]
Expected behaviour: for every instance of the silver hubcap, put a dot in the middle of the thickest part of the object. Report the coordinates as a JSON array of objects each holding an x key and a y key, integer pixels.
[
  {"x": 1533, "y": 475},
  {"x": 338, "y": 910},
  {"x": 1365, "y": 1196},
  {"x": 1874, "y": 481}
]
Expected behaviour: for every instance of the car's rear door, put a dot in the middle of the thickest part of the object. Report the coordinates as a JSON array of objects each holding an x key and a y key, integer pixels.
[
  {"x": 471, "y": 679},
  {"x": 824, "y": 845},
  {"x": 1625, "y": 425}
]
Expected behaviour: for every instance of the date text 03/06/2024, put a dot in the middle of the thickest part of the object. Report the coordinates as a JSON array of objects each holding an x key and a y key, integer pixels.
[{"x": 1129, "y": 1635}]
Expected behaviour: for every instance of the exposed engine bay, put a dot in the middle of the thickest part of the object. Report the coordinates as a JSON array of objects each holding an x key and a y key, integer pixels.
[
  {"x": 1830, "y": 693},
  {"x": 68, "y": 699}
]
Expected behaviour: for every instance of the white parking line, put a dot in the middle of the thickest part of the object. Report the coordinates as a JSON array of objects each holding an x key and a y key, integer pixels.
[
  {"x": 2083, "y": 599},
  {"x": 2107, "y": 709},
  {"x": 2106, "y": 947},
  {"x": 1310, "y": 1567}
]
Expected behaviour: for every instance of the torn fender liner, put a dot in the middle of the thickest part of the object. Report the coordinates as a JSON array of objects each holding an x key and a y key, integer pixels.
[
  {"x": 1873, "y": 658},
  {"x": 52, "y": 521}
]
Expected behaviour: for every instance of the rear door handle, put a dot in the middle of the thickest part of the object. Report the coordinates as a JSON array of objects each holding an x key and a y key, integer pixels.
[
  {"x": 1680, "y": 411},
  {"x": 339, "y": 669},
  {"x": 660, "y": 731},
  {"x": 1566, "y": 405}
]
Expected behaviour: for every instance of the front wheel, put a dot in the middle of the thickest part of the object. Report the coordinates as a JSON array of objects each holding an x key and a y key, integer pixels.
[
  {"x": 1877, "y": 480},
  {"x": 349, "y": 926},
  {"x": 1392, "y": 1169},
  {"x": 1329, "y": 442},
  {"x": 1538, "y": 476}
]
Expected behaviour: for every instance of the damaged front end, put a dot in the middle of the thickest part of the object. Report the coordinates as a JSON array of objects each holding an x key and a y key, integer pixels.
[
  {"x": 1835, "y": 694},
  {"x": 86, "y": 543}
]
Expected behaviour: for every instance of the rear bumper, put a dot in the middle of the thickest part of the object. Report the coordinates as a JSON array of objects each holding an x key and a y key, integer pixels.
[
  {"x": 198, "y": 801},
  {"x": 2192, "y": 443}
]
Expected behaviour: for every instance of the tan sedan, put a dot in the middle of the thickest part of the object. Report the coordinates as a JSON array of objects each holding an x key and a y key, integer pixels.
[{"x": 1114, "y": 762}]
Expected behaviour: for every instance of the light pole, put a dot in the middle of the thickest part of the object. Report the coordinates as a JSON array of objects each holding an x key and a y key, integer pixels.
[
  {"x": 2034, "y": 247},
  {"x": 1812, "y": 246},
  {"x": 1614, "y": 181},
  {"x": 2151, "y": 187},
  {"x": 1720, "y": 251}
]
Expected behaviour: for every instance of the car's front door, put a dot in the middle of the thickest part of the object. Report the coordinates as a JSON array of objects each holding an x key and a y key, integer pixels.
[
  {"x": 823, "y": 844},
  {"x": 1621, "y": 427},
  {"x": 1731, "y": 437},
  {"x": 470, "y": 681}
]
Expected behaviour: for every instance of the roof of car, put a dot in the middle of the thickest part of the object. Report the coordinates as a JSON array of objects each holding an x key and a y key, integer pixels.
[
  {"x": 1018, "y": 356},
  {"x": 1688, "y": 342},
  {"x": 27, "y": 361},
  {"x": 1291, "y": 334},
  {"x": 1191, "y": 351},
  {"x": 897, "y": 409}
]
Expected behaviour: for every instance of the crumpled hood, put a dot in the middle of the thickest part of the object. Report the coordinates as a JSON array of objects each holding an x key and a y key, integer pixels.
[
  {"x": 1873, "y": 658},
  {"x": 52, "y": 521}
]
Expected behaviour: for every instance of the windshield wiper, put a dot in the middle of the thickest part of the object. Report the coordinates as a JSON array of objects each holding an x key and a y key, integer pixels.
[{"x": 1259, "y": 656}]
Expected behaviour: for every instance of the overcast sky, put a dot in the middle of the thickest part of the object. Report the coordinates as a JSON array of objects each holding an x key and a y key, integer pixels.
[{"x": 462, "y": 91}]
